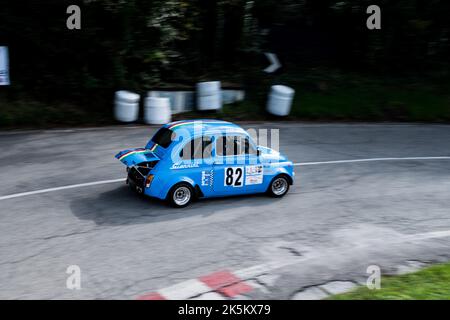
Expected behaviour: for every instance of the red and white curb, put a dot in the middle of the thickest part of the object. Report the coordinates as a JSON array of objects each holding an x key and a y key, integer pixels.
[
  {"x": 219, "y": 285},
  {"x": 215, "y": 286}
]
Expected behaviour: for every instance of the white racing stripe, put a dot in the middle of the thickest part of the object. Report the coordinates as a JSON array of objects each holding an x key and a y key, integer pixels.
[
  {"x": 23, "y": 194},
  {"x": 370, "y": 160}
]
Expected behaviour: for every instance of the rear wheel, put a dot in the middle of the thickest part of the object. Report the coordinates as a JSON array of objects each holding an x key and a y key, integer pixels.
[
  {"x": 279, "y": 186},
  {"x": 180, "y": 195}
]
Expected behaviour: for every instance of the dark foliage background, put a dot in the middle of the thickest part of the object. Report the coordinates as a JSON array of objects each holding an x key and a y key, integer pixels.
[{"x": 139, "y": 44}]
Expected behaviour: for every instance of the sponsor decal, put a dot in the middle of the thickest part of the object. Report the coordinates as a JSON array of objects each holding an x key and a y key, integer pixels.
[
  {"x": 184, "y": 166},
  {"x": 207, "y": 177},
  {"x": 254, "y": 175}
]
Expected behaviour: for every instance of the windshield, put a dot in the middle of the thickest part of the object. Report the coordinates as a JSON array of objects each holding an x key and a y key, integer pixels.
[{"x": 163, "y": 137}]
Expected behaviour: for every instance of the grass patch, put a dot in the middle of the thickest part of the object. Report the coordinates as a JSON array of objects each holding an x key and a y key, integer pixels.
[{"x": 431, "y": 283}]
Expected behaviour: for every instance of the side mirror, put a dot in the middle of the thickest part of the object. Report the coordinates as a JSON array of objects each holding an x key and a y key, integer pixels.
[{"x": 258, "y": 152}]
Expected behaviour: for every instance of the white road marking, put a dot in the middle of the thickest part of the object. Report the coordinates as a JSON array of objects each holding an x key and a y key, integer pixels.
[
  {"x": 428, "y": 235},
  {"x": 370, "y": 160},
  {"x": 23, "y": 194}
]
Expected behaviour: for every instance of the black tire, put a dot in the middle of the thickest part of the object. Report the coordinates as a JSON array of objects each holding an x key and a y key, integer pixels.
[
  {"x": 279, "y": 186},
  {"x": 176, "y": 192}
]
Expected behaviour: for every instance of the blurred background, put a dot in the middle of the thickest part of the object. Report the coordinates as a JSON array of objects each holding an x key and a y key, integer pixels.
[
  {"x": 339, "y": 68},
  {"x": 366, "y": 194}
]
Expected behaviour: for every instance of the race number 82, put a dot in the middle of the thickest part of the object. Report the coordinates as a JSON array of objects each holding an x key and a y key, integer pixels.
[{"x": 233, "y": 176}]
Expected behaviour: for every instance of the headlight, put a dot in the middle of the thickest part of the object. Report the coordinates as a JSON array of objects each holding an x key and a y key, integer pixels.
[{"x": 148, "y": 180}]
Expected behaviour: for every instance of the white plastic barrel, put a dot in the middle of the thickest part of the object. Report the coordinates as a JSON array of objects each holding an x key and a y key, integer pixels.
[
  {"x": 157, "y": 110},
  {"x": 209, "y": 95},
  {"x": 126, "y": 112},
  {"x": 280, "y": 100},
  {"x": 180, "y": 101},
  {"x": 126, "y": 106},
  {"x": 232, "y": 95},
  {"x": 208, "y": 88},
  {"x": 127, "y": 96}
]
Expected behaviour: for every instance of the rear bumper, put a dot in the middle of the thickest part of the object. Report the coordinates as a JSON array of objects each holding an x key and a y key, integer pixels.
[{"x": 135, "y": 180}]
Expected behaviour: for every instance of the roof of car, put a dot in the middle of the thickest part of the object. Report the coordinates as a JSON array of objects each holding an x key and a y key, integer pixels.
[{"x": 206, "y": 126}]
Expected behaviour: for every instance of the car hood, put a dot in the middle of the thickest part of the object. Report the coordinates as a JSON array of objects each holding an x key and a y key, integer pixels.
[
  {"x": 271, "y": 155},
  {"x": 131, "y": 157}
]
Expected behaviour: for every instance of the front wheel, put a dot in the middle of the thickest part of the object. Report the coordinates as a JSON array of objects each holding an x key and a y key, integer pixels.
[
  {"x": 278, "y": 187},
  {"x": 180, "y": 195}
]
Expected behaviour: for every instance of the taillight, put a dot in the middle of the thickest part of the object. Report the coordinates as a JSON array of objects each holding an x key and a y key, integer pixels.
[{"x": 148, "y": 180}]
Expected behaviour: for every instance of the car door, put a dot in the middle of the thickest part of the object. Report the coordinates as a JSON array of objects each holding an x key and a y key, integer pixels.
[
  {"x": 254, "y": 169},
  {"x": 237, "y": 169},
  {"x": 196, "y": 161}
]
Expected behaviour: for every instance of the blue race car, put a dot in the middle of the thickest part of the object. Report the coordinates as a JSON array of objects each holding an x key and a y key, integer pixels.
[{"x": 202, "y": 159}]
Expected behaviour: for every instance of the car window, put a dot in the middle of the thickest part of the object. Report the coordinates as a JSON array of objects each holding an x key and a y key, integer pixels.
[
  {"x": 198, "y": 148},
  {"x": 163, "y": 137},
  {"x": 249, "y": 148},
  {"x": 234, "y": 145},
  {"x": 225, "y": 146}
]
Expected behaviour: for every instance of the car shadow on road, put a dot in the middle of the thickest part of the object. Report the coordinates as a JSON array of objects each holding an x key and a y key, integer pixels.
[{"x": 122, "y": 206}]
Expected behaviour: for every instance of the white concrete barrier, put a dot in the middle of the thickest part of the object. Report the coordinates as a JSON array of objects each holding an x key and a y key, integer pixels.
[
  {"x": 180, "y": 101},
  {"x": 209, "y": 96},
  {"x": 126, "y": 106},
  {"x": 232, "y": 95},
  {"x": 280, "y": 100},
  {"x": 157, "y": 110}
]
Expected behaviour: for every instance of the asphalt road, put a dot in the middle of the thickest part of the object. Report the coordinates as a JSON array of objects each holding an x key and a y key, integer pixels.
[{"x": 337, "y": 219}]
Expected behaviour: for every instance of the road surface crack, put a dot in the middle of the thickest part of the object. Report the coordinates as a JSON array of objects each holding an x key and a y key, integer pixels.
[{"x": 292, "y": 251}]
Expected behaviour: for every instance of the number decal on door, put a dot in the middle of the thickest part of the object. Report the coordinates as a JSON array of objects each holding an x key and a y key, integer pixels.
[{"x": 233, "y": 176}]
